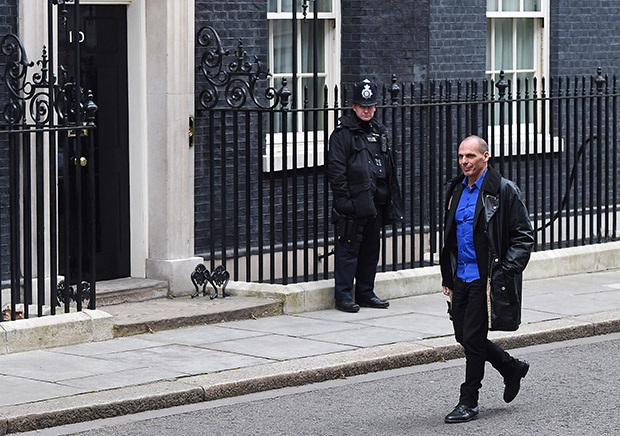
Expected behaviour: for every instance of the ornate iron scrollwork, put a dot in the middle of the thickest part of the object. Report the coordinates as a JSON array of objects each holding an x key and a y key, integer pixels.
[
  {"x": 237, "y": 79},
  {"x": 202, "y": 277},
  {"x": 15, "y": 73},
  {"x": 64, "y": 293},
  {"x": 29, "y": 100}
]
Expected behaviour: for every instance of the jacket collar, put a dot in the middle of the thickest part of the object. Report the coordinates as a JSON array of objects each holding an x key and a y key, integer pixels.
[
  {"x": 490, "y": 186},
  {"x": 491, "y": 182},
  {"x": 353, "y": 122}
]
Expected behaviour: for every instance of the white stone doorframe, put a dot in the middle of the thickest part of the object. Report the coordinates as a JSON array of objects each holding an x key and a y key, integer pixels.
[
  {"x": 161, "y": 100},
  {"x": 170, "y": 160}
]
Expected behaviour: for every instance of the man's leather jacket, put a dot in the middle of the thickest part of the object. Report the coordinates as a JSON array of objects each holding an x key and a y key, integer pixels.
[{"x": 503, "y": 240}]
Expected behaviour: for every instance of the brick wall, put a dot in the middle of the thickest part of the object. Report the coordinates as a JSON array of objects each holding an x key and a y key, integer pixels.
[
  {"x": 417, "y": 40},
  {"x": 381, "y": 38},
  {"x": 457, "y": 43},
  {"x": 584, "y": 36}
]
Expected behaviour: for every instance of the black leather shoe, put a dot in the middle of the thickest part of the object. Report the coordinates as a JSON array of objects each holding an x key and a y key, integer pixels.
[
  {"x": 513, "y": 382},
  {"x": 462, "y": 413},
  {"x": 347, "y": 306},
  {"x": 374, "y": 302}
]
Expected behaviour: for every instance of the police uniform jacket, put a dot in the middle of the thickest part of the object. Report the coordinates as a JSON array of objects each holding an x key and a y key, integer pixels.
[
  {"x": 503, "y": 240},
  {"x": 350, "y": 172}
]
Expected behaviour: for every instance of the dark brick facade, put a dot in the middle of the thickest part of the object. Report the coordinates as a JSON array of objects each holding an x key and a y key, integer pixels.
[
  {"x": 420, "y": 40},
  {"x": 584, "y": 36},
  {"x": 417, "y": 40},
  {"x": 457, "y": 42},
  {"x": 381, "y": 38}
]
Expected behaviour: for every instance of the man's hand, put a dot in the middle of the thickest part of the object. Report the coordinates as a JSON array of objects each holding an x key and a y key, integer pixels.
[{"x": 448, "y": 292}]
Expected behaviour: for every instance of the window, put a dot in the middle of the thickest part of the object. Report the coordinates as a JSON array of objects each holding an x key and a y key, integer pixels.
[
  {"x": 517, "y": 43},
  {"x": 283, "y": 63}
]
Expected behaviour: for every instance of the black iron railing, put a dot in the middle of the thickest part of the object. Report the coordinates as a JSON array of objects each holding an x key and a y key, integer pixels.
[
  {"x": 46, "y": 128},
  {"x": 263, "y": 202}
]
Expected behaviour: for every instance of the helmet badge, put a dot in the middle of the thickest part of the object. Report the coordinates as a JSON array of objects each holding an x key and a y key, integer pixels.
[{"x": 366, "y": 92}]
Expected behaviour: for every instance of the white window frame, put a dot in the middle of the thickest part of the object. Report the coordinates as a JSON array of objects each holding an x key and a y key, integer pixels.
[
  {"x": 332, "y": 78},
  {"x": 540, "y": 69}
]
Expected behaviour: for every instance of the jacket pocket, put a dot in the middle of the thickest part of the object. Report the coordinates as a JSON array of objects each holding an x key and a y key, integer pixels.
[
  {"x": 364, "y": 204},
  {"x": 344, "y": 206},
  {"x": 503, "y": 307}
]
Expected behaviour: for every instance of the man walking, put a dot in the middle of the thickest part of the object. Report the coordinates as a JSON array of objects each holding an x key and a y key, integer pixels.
[
  {"x": 366, "y": 196},
  {"x": 487, "y": 243}
]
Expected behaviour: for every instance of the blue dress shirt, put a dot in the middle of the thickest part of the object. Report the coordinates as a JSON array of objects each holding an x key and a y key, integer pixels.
[{"x": 467, "y": 268}]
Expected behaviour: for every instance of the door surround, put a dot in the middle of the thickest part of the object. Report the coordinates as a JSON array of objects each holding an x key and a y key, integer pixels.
[{"x": 161, "y": 69}]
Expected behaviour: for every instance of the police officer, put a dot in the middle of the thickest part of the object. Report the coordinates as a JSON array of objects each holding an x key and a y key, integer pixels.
[{"x": 366, "y": 196}]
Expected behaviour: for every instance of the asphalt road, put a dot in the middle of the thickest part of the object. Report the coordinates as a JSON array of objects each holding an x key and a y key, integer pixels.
[{"x": 572, "y": 389}]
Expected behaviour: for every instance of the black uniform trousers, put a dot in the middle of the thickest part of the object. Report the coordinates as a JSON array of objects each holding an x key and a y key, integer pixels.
[
  {"x": 357, "y": 260},
  {"x": 470, "y": 320}
]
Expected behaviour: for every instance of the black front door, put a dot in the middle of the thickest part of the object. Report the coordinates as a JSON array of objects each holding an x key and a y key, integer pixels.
[{"x": 103, "y": 52}]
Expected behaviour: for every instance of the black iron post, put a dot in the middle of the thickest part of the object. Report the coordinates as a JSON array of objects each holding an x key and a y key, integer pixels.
[
  {"x": 600, "y": 82},
  {"x": 501, "y": 86}
]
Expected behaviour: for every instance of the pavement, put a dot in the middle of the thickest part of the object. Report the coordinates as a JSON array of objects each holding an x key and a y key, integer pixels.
[{"x": 182, "y": 365}]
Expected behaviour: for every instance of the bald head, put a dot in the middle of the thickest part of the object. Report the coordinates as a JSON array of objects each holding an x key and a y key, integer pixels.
[{"x": 477, "y": 140}]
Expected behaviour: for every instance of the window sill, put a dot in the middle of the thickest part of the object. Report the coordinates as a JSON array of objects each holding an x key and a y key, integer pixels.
[
  {"x": 295, "y": 159},
  {"x": 524, "y": 143}
]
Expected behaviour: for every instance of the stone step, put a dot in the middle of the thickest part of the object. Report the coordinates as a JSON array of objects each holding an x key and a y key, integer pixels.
[
  {"x": 171, "y": 313},
  {"x": 129, "y": 290}
]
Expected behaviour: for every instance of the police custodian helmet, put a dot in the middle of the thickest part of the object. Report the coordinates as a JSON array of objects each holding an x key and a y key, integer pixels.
[{"x": 365, "y": 93}]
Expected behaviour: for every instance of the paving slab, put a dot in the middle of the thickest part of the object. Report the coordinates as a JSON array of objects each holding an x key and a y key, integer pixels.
[
  {"x": 289, "y": 325},
  {"x": 279, "y": 347},
  {"x": 201, "y": 335},
  {"x": 56, "y": 367},
  {"x": 24, "y": 390},
  {"x": 426, "y": 325},
  {"x": 115, "y": 346},
  {"x": 185, "y": 359},
  {"x": 366, "y": 336}
]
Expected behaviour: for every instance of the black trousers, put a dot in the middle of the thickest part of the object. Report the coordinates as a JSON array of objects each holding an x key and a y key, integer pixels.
[
  {"x": 470, "y": 320},
  {"x": 358, "y": 261}
]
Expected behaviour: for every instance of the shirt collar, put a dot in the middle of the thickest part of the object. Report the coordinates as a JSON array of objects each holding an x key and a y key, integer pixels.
[{"x": 477, "y": 183}]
